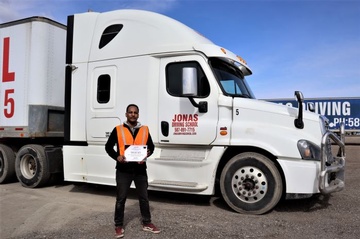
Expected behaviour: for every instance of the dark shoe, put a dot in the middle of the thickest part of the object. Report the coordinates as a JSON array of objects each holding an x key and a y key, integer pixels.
[
  {"x": 119, "y": 232},
  {"x": 151, "y": 228}
]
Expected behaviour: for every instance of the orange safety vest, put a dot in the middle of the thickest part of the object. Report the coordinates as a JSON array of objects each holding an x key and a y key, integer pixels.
[{"x": 125, "y": 137}]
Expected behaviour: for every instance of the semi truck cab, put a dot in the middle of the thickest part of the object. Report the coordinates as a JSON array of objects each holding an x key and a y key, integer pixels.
[{"x": 212, "y": 135}]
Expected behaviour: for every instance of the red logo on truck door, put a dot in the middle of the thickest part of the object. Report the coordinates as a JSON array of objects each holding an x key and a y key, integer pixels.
[
  {"x": 9, "y": 102},
  {"x": 185, "y": 124}
]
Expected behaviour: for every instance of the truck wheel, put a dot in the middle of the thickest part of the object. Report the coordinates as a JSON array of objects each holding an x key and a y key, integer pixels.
[
  {"x": 250, "y": 183},
  {"x": 7, "y": 164},
  {"x": 31, "y": 166}
]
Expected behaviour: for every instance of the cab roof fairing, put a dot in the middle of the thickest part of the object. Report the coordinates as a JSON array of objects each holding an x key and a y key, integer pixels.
[{"x": 143, "y": 33}]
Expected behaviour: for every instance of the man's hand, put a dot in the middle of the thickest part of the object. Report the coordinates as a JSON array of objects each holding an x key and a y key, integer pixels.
[
  {"x": 144, "y": 160},
  {"x": 148, "y": 153},
  {"x": 121, "y": 159}
]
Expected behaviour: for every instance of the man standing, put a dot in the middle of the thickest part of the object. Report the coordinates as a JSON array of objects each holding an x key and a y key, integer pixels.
[{"x": 130, "y": 133}]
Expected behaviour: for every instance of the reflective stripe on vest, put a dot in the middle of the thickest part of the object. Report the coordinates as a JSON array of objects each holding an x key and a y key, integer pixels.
[{"x": 125, "y": 137}]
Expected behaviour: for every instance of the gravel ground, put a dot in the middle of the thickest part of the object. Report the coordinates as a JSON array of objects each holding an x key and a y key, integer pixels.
[{"x": 70, "y": 210}]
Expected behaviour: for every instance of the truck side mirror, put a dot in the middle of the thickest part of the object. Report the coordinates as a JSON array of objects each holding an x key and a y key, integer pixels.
[
  {"x": 189, "y": 81},
  {"x": 190, "y": 88},
  {"x": 298, "y": 122}
]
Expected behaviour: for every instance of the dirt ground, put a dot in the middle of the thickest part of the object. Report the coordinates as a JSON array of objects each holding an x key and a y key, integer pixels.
[{"x": 70, "y": 210}]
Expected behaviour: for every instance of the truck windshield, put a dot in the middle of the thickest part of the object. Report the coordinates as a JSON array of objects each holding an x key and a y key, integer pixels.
[{"x": 230, "y": 78}]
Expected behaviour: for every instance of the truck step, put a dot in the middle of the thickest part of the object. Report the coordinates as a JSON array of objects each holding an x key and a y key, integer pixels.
[{"x": 177, "y": 185}]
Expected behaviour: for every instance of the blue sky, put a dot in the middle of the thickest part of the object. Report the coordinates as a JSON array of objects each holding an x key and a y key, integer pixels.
[{"x": 307, "y": 45}]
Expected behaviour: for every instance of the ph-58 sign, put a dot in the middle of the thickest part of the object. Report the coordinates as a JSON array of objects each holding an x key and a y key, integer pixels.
[{"x": 337, "y": 110}]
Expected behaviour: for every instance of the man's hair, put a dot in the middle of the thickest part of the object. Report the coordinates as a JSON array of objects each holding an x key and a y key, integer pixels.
[{"x": 127, "y": 108}]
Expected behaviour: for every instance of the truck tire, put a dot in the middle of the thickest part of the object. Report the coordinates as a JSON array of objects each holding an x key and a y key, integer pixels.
[
  {"x": 7, "y": 164},
  {"x": 31, "y": 166},
  {"x": 250, "y": 183}
]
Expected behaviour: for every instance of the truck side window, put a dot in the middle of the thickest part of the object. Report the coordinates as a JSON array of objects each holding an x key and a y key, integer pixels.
[
  {"x": 174, "y": 79},
  {"x": 109, "y": 33},
  {"x": 103, "y": 89}
]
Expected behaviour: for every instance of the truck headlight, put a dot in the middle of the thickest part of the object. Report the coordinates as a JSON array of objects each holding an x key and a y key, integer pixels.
[{"x": 308, "y": 150}]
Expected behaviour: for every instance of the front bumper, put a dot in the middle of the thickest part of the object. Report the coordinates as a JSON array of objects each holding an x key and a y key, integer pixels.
[{"x": 332, "y": 173}]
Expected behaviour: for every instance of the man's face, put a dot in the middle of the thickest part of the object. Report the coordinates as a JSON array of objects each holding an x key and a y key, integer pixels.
[{"x": 132, "y": 115}]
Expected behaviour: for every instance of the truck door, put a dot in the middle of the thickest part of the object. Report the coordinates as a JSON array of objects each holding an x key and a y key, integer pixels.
[
  {"x": 101, "y": 113},
  {"x": 180, "y": 121}
]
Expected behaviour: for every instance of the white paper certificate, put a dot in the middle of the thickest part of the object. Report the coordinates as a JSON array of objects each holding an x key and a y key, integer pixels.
[{"x": 135, "y": 153}]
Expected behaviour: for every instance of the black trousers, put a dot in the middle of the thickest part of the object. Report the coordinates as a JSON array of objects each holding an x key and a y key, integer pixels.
[{"x": 123, "y": 183}]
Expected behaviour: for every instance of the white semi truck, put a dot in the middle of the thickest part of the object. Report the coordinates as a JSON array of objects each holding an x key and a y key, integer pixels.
[{"x": 64, "y": 88}]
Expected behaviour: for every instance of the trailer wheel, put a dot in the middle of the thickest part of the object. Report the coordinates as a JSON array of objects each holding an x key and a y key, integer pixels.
[
  {"x": 31, "y": 166},
  {"x": 250, "y": 183},
  {"x": 7, "y": 164}
]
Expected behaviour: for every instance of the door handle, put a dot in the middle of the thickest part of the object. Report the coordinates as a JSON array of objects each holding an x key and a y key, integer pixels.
[{"x": 165, "y": 128}]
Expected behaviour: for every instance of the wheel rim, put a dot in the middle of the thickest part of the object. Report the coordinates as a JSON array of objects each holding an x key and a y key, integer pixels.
[
  {"x": 249, "y": 184},
  {"x": 28, "y": 166}
]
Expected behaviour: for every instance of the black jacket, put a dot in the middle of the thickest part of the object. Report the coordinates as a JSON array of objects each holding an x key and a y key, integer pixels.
[{"x": 130, "y": 167}]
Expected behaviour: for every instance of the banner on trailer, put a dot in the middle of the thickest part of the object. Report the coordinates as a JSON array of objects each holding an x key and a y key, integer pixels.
[{"x": 337, "y": 110}]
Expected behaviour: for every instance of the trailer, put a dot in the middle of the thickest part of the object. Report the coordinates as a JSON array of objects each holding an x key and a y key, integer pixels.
[
  {"x": 32, "y": 99},
  {"x": 64, "y": 90}
]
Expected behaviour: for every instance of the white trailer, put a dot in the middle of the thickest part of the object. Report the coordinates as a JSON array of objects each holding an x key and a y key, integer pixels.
[
  {"x": 32, "y": 98},
  {"x": 211, "y": 134}
]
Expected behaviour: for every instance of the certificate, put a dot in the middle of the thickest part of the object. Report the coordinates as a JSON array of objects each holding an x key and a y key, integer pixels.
[{"x": 136, "y": 153}]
